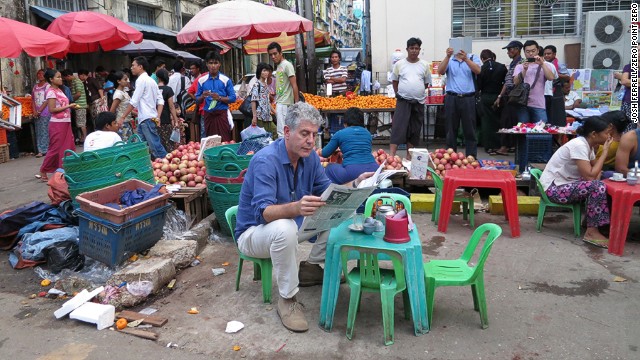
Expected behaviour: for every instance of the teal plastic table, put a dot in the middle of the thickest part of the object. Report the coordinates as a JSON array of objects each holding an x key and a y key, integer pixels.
[{"x": 411, "y": 253}]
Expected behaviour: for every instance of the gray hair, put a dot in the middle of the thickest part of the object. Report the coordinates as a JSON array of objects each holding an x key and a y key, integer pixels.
[{"x": 302, "y": 111}]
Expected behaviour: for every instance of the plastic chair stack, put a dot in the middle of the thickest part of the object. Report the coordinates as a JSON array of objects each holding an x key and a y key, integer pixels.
[
  {"x": 459, "y": 273},
  {"x": 262, "y": 268},
  {"x": 545, "y": 202}
]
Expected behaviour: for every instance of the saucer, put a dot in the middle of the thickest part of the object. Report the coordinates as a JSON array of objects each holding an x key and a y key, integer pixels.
[
  {"x": 618, "y": 180},
  {"x": 352, "y": 227}
]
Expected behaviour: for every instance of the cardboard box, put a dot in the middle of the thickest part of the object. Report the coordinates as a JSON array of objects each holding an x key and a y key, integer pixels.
[{"x": 419, "y": 163}]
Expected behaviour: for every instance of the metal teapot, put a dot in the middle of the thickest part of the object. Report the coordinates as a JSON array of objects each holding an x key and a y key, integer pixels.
[{"x": 383, "y": 211}]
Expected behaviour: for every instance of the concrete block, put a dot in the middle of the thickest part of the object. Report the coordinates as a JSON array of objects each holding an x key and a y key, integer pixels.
[
  {"x": 200, "y": 233},
  {"x": 182, "y": 252},
  {"x": 99, "y": 314},
  {"x": 424, "y": 203},
  {"x": 77, "y": 301},
  {"x": 527, "y": 205},
  {"x": 157, "y": 270}
]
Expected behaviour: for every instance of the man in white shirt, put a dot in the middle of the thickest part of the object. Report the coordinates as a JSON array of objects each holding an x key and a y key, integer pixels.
[
  {"x": 147, "y": 98},
  {"x": 410, "y": 77},
  {"x": 106, "y": 134},
  {"x": 175, "y": 80}
]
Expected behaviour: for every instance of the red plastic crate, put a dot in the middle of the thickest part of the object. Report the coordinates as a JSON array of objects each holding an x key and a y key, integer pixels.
[
  {"x": 92, "y": 202},
  {"x": 436, "y": 99},
  {"x": 3, "y": 137}
]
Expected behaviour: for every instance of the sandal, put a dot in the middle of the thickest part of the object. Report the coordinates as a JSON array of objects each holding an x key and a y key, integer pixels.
[
  {"x": 498, "y": 152},
  {"x": 601, "y": 243},
  {"x": 492, "y": 152},
  {"x": 512, "y": 150},
  {"x": 39, "y": 155}
]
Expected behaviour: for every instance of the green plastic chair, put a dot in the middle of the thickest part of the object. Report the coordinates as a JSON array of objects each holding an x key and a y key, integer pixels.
[
  {"x": 368, "y": 276},
  {"x": 545, "y": 202},
  {"x": 466, "y": 200},
  {"x": 459, "y": 273},
  {"x": 262, "y": 268},
  {"x": 387, "y": 199}
]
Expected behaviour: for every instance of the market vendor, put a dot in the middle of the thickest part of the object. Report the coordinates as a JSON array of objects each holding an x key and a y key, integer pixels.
[
  {"x": 216, "y": 90},
  {"x": 283, "y": 184},
  {"x": 355, "y": 143},
  {"x": 628, "y": 155},
  {"x": 106, "y": 134},
  {"x": 336, "y": 74}
]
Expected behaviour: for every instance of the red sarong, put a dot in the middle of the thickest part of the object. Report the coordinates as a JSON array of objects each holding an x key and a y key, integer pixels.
[
  {"x": 217, "y": 123},
  {"x": 60, "y": 140}
]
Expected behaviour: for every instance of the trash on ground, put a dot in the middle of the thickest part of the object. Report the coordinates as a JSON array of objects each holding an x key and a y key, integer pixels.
[
  {"x": 172, "y": 345},
  {"x": 121, "y": 324},
  {"x": 234, "y": 326},
  {"x": 236, "y": 348},
  {"x": 140, "y": 288},
  {"x": 619, "y": 279},
  {"x": 135, "y": 323},
  {"x": 77, "y": 301},
  {"x": 146, "y": 319},
  {"x": 195, "y": 262},
  {"x": 193, "y": 311},
  {"x": 148, "y": 311},
  {"x": 56, "y": 292},
  {"x": 218, "y": 271},
  {"x": 45, "y": 282},
  {"x": 171, "y": 284},
  {"x": 33, "y": 296},
  {"x": 141, "y": 333},
  {"x": 226, "y": 263},
  {"x": 99, "y": 314}
]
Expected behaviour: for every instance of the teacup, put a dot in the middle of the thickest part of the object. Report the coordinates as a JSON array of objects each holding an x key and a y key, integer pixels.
[
  {"x": 632, "y": 180},
  {"x": 617, "y": 176},
  {"x": 369, "y": 228}
]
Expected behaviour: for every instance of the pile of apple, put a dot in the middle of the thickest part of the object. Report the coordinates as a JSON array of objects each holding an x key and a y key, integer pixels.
[
  {"x": 447, "y": 159},
  {"x": 393, "y": 163},
  {"x": 181, "y": 166},
  {"x": 496, "y": 163}
]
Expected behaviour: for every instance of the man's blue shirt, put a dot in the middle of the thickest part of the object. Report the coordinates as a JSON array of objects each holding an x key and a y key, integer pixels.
[
  {"x": 270, "y": 180},
  {"x": 460, "y": 76},
  {"x": 221, "y": 85}
]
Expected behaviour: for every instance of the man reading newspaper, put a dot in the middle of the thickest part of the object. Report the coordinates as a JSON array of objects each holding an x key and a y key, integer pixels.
[{"x": 282, "y": 185}]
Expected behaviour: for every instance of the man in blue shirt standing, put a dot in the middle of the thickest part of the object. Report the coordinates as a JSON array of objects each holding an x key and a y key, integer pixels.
[
  {"x": 216, "y": 90},
  {"x": 283, "y": 185},
  {"x": 460, "y": 101}
]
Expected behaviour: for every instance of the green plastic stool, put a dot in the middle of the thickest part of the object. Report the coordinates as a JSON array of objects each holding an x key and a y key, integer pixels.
[
  {"x": 262, "y": 268},
  {"x": 368, "y": 276},
  {"x": 459, "y": 273},
  {"x": 544, "y": 202},
  {"x": 466, "y": 200}
]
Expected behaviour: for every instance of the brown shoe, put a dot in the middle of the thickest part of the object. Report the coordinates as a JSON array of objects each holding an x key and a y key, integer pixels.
[
  {"x": 291, "y": 314},
  {"x": 310, "y": 274}
]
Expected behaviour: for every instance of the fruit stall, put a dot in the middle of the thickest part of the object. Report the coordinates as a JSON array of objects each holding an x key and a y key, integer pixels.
[{"x": 17, "y": 113}]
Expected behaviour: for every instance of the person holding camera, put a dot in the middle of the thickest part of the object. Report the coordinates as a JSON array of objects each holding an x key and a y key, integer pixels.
[
  {"x": 533, "y": 71},
  {"x": 490, "y": 82},
  {"x": 460, "y": 99},
  {"x": 410, "y": 78}
]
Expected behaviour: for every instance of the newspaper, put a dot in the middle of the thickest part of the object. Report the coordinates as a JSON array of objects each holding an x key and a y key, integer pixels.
[
  {"x": 341, "y": 202},
  {"x": 379, "y": 175}
]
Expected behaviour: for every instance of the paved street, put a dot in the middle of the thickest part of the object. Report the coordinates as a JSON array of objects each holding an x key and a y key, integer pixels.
[{"x": 549, "y": 297}]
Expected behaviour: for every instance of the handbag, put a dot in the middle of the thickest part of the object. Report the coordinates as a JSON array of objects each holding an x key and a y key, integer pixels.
[
  {"x": 245, "y": 107},
  {"x": 520, "y": 93}
]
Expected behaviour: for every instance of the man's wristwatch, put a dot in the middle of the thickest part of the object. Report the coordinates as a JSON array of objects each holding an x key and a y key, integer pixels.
[{"x": 354, "y": 184}]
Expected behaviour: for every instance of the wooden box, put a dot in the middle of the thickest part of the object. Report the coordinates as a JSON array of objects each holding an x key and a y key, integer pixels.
[{"x": 194, "y": 202}]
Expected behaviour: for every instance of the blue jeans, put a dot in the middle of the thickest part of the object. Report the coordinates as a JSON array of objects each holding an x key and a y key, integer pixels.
[
  {"x": 149, "y": 132},
  {"x": 528, "y": 114},
  {"x": 340, "y": 174}
]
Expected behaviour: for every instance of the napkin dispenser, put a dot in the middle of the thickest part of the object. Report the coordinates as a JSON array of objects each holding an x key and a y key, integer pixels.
[{"x": 397, "y": 228}]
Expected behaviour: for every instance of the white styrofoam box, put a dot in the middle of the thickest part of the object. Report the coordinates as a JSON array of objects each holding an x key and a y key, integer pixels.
[
  {"x": 76, "y": 302},
  {"x": 419, "y": 163},
  {"x": 101, "y": 315}
]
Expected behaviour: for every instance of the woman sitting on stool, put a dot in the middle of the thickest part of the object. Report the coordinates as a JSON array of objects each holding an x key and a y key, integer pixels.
[
  {"x": 572, "y": 175},
  {"x": 355, "y": 143}
]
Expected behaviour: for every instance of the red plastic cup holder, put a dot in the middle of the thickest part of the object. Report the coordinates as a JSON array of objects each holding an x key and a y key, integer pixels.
[{"x": 397, "y": 230}]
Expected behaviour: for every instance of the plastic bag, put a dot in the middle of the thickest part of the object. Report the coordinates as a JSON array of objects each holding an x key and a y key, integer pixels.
[
  {"x": 252, "y": 130},
  {"x": 64, "y": 255},
  {"x": 177, "y": 224},
  {"x": 140, "y": 288},
  {"x": 175, "y": 135}
]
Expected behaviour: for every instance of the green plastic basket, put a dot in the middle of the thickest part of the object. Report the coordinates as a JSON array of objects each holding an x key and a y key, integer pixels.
[
  {"x": 223, "y": 197},
  {"x": 134, "y": 143},
  {"x": 91, "y": 161},
  {"x": 217, "y": 157},
  {"x": 119, "y": 163},
  {"x": 229, "y": 170}
]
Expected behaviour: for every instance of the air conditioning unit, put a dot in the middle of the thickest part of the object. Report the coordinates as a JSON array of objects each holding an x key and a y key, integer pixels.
[{"x": 607, "y": 40}]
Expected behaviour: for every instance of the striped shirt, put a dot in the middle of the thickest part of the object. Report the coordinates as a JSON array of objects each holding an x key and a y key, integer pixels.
[
  {"x": 340, "y": 72},
  {"x": 78, "y": 87},
  {"x": 508, "y": 80}
]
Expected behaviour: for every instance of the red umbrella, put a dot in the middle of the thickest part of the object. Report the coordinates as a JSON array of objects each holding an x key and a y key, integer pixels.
[
  {"x": 89, "y": 31},
  {"x": 247, "y": 20},
  {"x": 17, "y": 36}
]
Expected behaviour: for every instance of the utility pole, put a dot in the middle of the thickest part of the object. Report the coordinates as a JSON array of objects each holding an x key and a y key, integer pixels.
[
  {"x": 312, "y": 66},
  {"x": 300, "y": 64},
  {"x": 366, "y": 41}
]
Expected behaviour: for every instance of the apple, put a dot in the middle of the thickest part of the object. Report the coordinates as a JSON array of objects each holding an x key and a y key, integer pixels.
[{"x": 449, "y": 151}]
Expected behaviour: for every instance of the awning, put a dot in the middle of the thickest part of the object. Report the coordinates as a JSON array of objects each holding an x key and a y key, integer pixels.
[
  {"x": 152, "y": 29},
  {"x": 46, "y": 13},
  {"x": 223, "y": 45},
  {"x": 286, "y": 42}
]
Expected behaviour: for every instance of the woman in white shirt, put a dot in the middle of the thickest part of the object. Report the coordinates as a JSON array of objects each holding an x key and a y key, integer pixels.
[{"x": 572, "y": 175}]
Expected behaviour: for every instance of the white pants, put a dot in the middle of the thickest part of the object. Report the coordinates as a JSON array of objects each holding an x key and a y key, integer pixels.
[
  {"x": 279, "y": 240},
  {"x": 281, "y": 113}
]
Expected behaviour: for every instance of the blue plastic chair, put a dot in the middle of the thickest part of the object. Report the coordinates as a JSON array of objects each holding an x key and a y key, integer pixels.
[
  {"x": 459, "y": 273},
  {"x": 368, "y": 277},
  {"x": 262, "y": 268}
]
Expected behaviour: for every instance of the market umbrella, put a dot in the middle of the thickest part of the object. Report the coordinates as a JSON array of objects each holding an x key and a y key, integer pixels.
[
  {"x": 287, "y": 42},
  {"x": 148, "y": 48},
  {"x": 89, "y": 31},
  {"x": 187, "y": 55},
  {"x": 18, "y": 36},
  {"x": 242, "y": 19}
]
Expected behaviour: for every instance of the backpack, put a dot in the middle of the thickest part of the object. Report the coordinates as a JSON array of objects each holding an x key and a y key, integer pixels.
[{"x": 183, "y": 100}]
